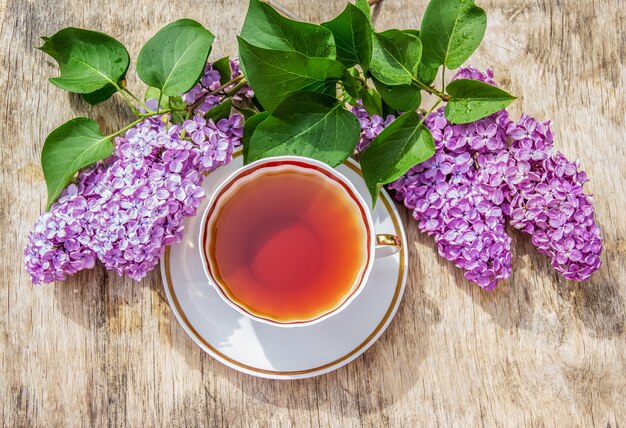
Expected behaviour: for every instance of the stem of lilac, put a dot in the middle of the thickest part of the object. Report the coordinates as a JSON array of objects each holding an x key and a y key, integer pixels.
[
  {"x": 362, "y": 80},
  {"x": 343, "y": 94},
  {"x": 239, "y": 79},
  {"x": 124, "y": 129},
  {"x": 227, "y": 84},
  {"x": 227, "y": 95},
  {"x": 142, "y": 116},
  {"x": 429, "y": 112},
  {"x": 236, "y": 88},
  {"x": 121, "y": 91},
  {"x": 154, "y": 113},
  {"x": 431, "y": 90},
  {"x": 159, "y": 101},
  {"x": 133, "y": 96}
]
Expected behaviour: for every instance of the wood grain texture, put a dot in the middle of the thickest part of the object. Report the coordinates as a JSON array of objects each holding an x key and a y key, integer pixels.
[{"x": 102, "y": 350}]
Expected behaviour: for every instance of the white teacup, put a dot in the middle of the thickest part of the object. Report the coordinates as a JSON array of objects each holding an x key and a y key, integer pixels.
[{"x": 377, "y": 245}]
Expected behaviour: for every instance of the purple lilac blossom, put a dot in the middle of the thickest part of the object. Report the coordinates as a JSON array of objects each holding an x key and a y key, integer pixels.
[
  {"x": 371, "y": 125},
  {"x": 545, "y": 199},
  {"x": 491, "y": 170},
  {"x": 449, "y": 201},
  {"x": 475, "y": 74},
  {"x": 125, "y": 210}
]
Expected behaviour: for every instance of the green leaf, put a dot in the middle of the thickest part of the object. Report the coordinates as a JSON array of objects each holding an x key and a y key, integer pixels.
[
  {"x": 472, "y": 100},
  {"x": 426, "y": 73},
  {"x": 364, "y": 6},
  {"x": 155, "y": 93},
  {"x": 178, "y": 117},
  {"x": 257, "y": 104},
  {"x": 249, "y": 127},
  {"x": 266, "y": 28},
  {"x": 371, "y": 101},
  {"x": 350, "y": 84},
  {"x": 451, "y": 31},
  {"x": 395, "y": 57},
  {"x": 401, "y": 145},
  {"x": 388, "y": 110},
  {"x": 88, "y": 60},
  {"x": 412, "y": 32},
  {"x": 307, "y": 124},
  {"x": 222, "y": 66},
  {"x": 275, "y": 75},
  {"x": 69, "y": 148},
  {"x": 401, "y": 98},
  {"x": 173, "y": 59},
  {"x": 220, "y": 111},
  {"x": 353, "y": 35},
  {"x": 101, "y": 95},
  {"x": 176, "y": 102}
]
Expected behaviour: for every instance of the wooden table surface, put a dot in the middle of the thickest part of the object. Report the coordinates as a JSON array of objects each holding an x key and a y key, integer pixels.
[{"x": 102, "y": 350}]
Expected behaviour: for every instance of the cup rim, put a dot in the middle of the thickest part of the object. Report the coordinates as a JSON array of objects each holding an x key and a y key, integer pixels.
[{"x": 355, "y": 196}]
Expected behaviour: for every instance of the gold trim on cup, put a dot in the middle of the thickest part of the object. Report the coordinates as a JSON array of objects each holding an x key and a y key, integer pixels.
[
  {"x": 388, "y": 239},
  {"x": 396, "y": 295}
]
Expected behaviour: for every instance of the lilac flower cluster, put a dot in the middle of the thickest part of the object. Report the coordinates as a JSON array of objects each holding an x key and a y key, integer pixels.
[
  {"x": 450, "y": 198},
  {"x": 125, "y": 210},
  {"x": 545, "y": 199},
  {"x": 493, "y": 170}
]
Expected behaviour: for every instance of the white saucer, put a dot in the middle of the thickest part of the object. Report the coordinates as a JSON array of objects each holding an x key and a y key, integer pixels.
[{"x": 273, "y": 352}]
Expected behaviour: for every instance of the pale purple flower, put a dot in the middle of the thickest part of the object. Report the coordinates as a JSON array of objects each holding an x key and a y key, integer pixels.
[
  {"x": 175, "y": 159},
  {"x": 194, "y": 94},
  {"x": 475, "y": 74},
  {"x": 371, "y": 125}
]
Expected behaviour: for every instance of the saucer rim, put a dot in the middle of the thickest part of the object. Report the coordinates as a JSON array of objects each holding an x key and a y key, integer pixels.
[{"x": 349, "y": 356}]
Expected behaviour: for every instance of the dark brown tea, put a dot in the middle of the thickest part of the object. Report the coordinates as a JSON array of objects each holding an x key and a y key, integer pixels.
[{"x": 287, "y": 242}]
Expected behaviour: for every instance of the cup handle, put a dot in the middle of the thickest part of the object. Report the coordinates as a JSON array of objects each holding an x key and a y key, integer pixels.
[{"x": 387, "y": 245}]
